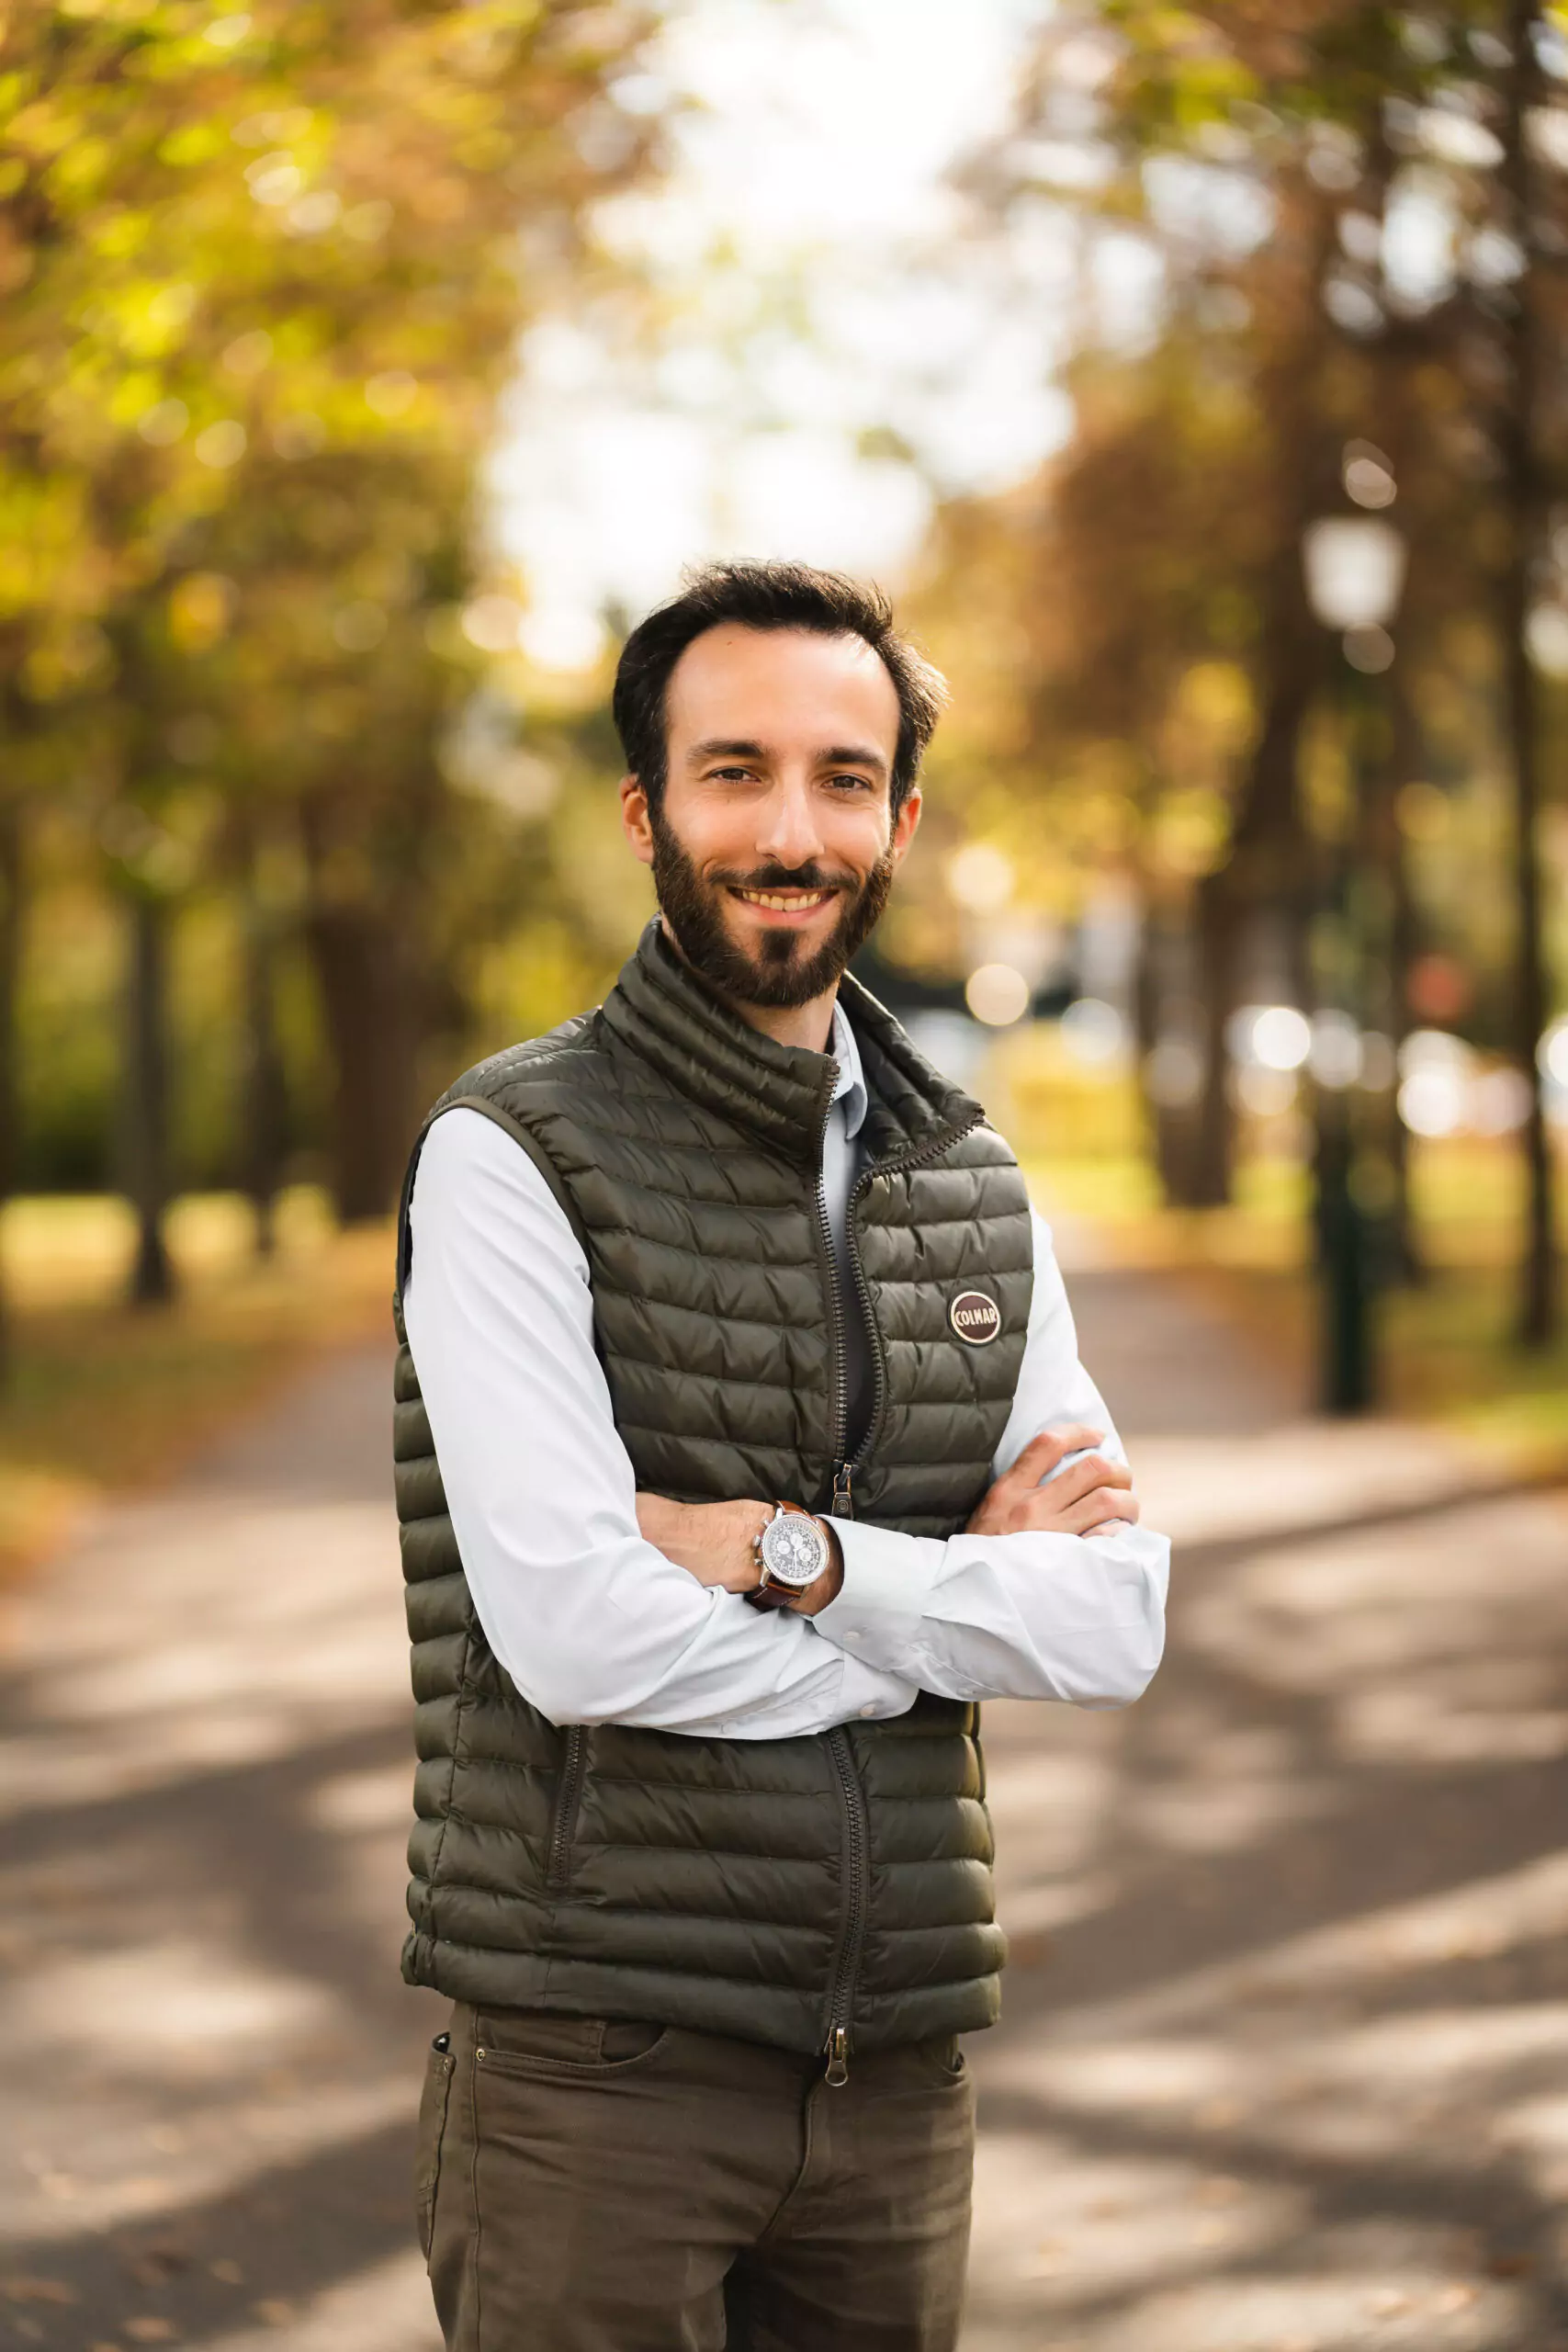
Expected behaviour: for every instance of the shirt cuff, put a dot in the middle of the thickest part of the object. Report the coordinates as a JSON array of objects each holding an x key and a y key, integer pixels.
[{"x": 888, "y": 1580}]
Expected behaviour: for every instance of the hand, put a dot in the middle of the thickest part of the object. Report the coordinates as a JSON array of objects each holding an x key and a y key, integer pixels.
[
  {"x": 1088, "y": 1498},
  {"x": 711, "y": 1541}
]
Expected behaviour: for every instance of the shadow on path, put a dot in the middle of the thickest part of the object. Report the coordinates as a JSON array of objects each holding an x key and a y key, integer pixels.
[
  {"x": 1284, "y": 2065},
  {"x": 1284, "y": 2058}
]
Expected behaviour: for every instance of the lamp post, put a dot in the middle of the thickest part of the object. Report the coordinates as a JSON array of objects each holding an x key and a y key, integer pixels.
[{"x": 1354, "y": 566}]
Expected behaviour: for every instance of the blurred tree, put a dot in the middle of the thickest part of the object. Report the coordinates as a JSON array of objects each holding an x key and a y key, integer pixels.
[
  {"x": 1347, "y": 219},
  {"x": 265, "y": 274}
]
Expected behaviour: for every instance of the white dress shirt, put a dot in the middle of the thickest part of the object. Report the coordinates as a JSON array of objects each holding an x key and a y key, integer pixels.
[{"x": 594, "y": 1625}]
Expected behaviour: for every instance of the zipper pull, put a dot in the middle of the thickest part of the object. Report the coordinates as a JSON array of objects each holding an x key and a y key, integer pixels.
[
  {"x": 842, "y": 1505},
  {"x": 838, "y": 2071}
]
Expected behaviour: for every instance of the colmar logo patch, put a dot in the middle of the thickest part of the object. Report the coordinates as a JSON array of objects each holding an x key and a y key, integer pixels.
[{"x": 975, "y": 1318}]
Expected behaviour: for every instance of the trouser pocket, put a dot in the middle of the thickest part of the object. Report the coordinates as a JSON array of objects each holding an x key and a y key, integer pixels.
[
  {"x": 543, "y": 2043},
  {"x": 434, "y": 2102}
]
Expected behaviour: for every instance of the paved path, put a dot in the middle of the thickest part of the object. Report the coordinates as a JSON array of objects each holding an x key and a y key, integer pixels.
[{"x": 1285, "y": 2064}]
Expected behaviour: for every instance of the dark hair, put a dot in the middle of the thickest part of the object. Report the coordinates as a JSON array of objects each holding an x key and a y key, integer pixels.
[{"x": 766, "y": 596}]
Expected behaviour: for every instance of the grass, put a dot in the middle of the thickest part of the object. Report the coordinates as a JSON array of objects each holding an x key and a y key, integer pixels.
[
  {"x": 1446, "y": 1350},
  {"x": 100, "y": 1396}
]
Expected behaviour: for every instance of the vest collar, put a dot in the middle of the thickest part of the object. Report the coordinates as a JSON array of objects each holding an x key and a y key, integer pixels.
[{"x": 663, "y": 1011}]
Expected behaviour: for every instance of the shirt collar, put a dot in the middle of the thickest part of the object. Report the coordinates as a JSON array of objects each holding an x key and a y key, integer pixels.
[{"x": 850, "y": 1086}]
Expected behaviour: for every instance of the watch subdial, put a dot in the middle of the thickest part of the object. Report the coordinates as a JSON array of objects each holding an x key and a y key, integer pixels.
[{"x": 793, "y": 1550}]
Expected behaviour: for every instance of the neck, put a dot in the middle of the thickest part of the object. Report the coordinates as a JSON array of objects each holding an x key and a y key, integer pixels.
[{"x": 809, "y": 1026}]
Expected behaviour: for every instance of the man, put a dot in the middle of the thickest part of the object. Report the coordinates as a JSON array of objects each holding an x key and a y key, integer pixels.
[{"x": 763, "y": 1454}]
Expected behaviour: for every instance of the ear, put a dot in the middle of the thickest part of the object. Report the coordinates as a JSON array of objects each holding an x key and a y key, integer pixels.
[
  {"x": 905, "y": 824},
  {"x": 635, "y": 820}
]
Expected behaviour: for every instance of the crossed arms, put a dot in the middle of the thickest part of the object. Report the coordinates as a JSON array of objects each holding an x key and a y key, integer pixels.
[{"x": 603, "y": 1606}]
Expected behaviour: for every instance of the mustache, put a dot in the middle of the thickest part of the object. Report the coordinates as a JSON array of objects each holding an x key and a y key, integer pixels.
[{"x": 810, "y": 876}]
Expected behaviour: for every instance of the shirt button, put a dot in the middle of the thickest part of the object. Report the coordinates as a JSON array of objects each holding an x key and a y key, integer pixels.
[{"x": 868, "y": 1711}]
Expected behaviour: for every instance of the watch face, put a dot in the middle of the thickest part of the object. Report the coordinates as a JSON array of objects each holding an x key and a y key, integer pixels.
[{"x": 794, "y": 1550}]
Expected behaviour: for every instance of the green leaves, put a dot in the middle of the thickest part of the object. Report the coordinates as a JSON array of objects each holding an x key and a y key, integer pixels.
[{"x": 262, "y": 284}]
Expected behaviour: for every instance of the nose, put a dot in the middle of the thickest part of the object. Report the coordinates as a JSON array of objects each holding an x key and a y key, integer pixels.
[{"x": 790, "y": 833}]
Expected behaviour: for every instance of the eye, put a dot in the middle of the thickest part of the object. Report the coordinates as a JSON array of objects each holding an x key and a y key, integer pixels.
[
  {"x": 731, "y": 776},
  {"x": 850, "y": 783}
]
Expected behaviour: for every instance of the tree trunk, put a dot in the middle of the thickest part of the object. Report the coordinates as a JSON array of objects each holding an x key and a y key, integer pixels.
[
  {"x": 266, "y": 1112},
  {"x": 1523, "y": 497},
  {"x": 1161, "y": 1017},
  {"x": 1403, "y": 932},
  {"x": 1263, "y": 870},
  {"x": 12, "y": 890},
  {"x": 146, "y": 1128},
  {"x": 1218, "y": 944},
  {"x": 370, "y": 1004}
]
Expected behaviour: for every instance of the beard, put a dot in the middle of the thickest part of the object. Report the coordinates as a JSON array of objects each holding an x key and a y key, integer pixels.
[{"x": 783, "y": 973}]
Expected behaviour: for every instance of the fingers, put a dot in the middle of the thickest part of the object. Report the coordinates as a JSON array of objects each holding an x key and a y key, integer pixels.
[
  {"x": 1096, "y": 1509},
  {"x": 1108, "y": 1503},
  {"x": 1052, "y": 1511},
  {"x": 1080, "y": 1479},
  {"x": 1040, "y": 1455}
]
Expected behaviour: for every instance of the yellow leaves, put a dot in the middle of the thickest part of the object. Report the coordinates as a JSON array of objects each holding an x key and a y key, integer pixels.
[
  {"x": 192, "y": 143},
  {"x": 164, "y": 423},
  {"x": 369, "y": 223},
  {"x": 156, "y": 318},
  {"x": 17, "y": 260},
  {"x": 249, "y": 354},
  {"x": 274, "y": 178},
  {"x": 1216, "y": 698},
  {"x": 40, "y": 130},
  {"x": 486, "y": 150},
  {"x": 134, "y": 396},
  {"x": 392, "y": 393},
  {"x": 277, "y": 126},
  {"x": 227, "y": 32},
  {"x": 118, "y": 235},
  {"x": 82, "y": 166},
  {"x": 514, "y": 16},
  {"x": 67, "y": 657},
  {"x": 222, "y": 444},
  {"x": 201, "y": 610},
  {"x": 440, "y": 200},
  {"x": 291, "y": 251},
  {"x": 40, "y": 531},
  {"x": 1189, "y": 833}
]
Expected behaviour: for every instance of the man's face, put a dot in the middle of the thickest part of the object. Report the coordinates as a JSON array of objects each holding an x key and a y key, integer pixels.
[{"x": 775, "y": 846}]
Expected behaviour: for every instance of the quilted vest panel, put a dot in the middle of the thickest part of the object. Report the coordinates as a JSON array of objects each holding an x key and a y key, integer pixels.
[{"x": 786, "y": 1891}]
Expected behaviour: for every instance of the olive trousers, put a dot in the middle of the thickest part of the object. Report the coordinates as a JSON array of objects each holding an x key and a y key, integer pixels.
[{"x": 586, "y": 2185}]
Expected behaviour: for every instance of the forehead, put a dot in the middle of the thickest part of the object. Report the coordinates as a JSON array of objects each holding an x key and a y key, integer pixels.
[{"x": 781, "y": 686}]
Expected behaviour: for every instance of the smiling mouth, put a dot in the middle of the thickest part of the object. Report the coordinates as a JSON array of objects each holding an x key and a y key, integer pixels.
[{"x": 784, "y": 902}]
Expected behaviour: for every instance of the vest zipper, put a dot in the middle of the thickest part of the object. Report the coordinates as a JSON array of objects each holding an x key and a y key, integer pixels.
[
  {"x": 838, "y": 1422},
  {"x": 563, "y": 1821},
  {"x": 857, "y": 1903},
  {"x": 857, "y": 1835},
  {"x": 841, "y": 1506}
]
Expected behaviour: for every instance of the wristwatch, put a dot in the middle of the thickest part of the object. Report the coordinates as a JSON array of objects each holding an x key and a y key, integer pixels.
[{"x": 791, "y": 1552}]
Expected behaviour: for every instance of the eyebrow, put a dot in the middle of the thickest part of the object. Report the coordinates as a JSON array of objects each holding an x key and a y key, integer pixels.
[
  {"x": 739, "y": 747},
  {"x": 854, "y": 755},
  {"x": 726, "y": 747}
]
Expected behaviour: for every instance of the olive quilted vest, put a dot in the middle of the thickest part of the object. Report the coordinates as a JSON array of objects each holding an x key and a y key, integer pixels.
[{"x": 817, "y": 1893}]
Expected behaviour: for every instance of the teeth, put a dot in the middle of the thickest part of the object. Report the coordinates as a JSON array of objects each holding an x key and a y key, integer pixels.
[{"x": 795, "y": 904}]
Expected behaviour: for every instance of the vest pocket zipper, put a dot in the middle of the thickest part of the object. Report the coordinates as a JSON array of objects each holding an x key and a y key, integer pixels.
[
  {"x": 563, "y": 1819},
  {"x": 857, "y": 1903}
]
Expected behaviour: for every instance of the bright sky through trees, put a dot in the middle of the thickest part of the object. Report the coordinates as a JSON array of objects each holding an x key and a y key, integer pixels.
[{"x": 822, "y": 344}]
